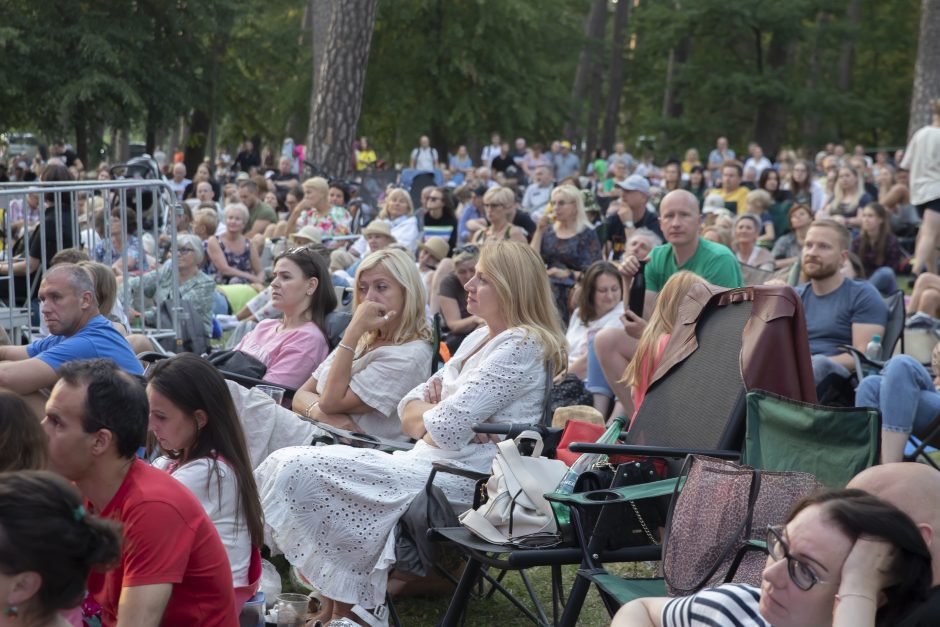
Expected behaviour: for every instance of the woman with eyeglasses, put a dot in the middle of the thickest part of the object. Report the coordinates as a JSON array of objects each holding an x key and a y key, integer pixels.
[
  {"x": 844, "y": 559},
  {"x": 295, "y": 345},
  {"x": 440, "y": 219},
  {"x": 567, "y": 243},
  {"x": 499, "y": 206},
  {"x": 196, "y": 286}
]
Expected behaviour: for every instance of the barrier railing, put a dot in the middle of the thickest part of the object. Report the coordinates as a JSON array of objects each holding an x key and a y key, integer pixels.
[{"x": 69, "y": 209}]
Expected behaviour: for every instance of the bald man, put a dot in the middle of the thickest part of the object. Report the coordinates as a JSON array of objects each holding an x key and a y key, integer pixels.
[{"x": 915, "y": 490}]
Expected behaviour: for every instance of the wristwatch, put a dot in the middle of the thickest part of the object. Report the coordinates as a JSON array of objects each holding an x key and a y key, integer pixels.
[{"x": 628, "y": 224}]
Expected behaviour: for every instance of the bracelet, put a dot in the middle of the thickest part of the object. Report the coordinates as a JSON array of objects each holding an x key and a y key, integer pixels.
[
  {"x": 349, "y": 348},
  {"x": 839, "y": 597},
  {"x": 309, "y": 407}
]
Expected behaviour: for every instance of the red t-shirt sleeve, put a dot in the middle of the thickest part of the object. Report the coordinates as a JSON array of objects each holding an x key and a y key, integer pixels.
[{"x": 157, "y": 545}]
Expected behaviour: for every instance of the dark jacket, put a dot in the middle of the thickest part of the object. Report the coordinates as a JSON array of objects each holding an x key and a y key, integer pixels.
[{"x": 775, "y": 346}]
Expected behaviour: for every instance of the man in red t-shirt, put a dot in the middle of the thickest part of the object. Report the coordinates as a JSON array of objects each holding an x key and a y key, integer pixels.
[{"x": 173, "y": 570}]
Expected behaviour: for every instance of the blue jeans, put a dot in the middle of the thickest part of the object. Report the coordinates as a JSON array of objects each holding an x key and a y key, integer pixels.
[
  {"x": 596, "y": 383},
  {"x": 884, "y": 280},
  {"x": 904, "y": 393}
]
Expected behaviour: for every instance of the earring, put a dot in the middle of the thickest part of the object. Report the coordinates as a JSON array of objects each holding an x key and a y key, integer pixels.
[{"x": 11, "y": 611}]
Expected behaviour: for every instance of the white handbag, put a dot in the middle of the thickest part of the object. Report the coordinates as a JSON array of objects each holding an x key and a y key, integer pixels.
[{"x": 515, "y": 505}]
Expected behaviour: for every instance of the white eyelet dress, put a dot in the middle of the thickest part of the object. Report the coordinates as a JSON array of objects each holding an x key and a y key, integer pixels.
[{"x": 332, "y": 510}]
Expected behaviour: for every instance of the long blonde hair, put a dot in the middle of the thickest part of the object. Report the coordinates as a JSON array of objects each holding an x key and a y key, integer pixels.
[
  {"x": 662, "y": 321},
  {"x": 570, "y": 192},
  {"x": 412, "y": 323},
  {"x": 525, "y": 297}
]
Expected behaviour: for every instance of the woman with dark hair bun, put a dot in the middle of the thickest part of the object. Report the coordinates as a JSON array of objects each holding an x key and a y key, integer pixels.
[
  {"x": 844, "y": 559},
  {"x": 197, "y": 432},
  {"x": 48, "y": 546}
]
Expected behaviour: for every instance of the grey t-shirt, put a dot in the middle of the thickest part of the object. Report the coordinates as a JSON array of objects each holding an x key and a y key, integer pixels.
[{"x": 829, "y": 318}]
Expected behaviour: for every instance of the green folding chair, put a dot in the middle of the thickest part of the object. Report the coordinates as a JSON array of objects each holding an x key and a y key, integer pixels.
[{"x": 833, "y": 443}]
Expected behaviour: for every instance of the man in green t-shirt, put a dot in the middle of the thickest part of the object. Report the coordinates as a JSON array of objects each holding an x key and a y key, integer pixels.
[
  {"x": 260, "y": 214},
  {"x": 680, "y": 218}
]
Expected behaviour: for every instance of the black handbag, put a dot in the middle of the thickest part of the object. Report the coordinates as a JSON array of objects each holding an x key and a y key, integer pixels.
[
  {"x": 638, "y": 522},
  {"x": 239, "y": 363}
]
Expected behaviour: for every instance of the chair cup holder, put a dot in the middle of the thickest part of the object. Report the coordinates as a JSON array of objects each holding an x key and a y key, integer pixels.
[{"x": 601, "y": 496}]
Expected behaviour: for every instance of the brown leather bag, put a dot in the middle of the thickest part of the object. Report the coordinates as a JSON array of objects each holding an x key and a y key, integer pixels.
[{"x": 721, "y": 507}]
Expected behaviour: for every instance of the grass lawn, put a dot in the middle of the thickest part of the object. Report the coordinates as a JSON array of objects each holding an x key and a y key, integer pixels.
[{"x": 422, "y": 612}]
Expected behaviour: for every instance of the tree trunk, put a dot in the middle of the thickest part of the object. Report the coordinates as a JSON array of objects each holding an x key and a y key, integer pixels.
[
  {"x": 339, "y": 99},
  {"x": 317, "y": 18},
  {"x": 770, "y": 122},
  {"x": 594, "y": 34},
  {"x": 847, "y": 56},
  {"x": 594, "y": 115},
  {"x": 615, "y": 75},
  {"x": 927, "y": 68},
  {"x": 811, "y": 121},
  {"x": 195, "y": 148}
]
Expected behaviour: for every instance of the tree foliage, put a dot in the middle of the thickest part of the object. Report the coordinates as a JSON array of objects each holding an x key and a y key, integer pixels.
[{"x": 797, "y": 73}]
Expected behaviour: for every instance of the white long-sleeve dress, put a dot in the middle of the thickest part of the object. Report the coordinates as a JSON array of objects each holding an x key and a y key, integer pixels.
[{"x": 332, "y": 510}]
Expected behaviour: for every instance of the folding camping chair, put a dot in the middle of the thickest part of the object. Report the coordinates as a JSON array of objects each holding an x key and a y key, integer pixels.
[{"x": 668, "y": 424}]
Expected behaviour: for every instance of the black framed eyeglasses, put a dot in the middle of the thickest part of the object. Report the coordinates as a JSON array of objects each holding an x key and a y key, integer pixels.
[{"x": 800, "y": 573}]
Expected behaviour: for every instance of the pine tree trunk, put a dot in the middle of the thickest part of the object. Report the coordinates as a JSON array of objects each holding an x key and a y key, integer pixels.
[
  {"x": 342, "y": 78},
  {"x": 927, "y": 68},
  {"x": 594, "y": 34},
  {"x": 770, "y": 122},
  {"x": 615, "y": 75},
  {"x": 317, "y": 18},
  {"x": 195, "y": 148},
  {"x": 811, "y": 121}
]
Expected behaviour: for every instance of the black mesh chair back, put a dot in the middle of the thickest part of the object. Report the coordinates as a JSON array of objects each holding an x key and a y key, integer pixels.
[
  {"x": 894, "y": 328},
  {"x": 700, "y": 403}
]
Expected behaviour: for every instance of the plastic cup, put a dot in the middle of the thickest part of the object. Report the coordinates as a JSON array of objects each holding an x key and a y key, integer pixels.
[
  {"x": 273, "y": 391},
  {"x": 291, "y": 609}
]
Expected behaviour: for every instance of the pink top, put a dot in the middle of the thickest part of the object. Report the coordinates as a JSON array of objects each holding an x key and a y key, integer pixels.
[
  {"x": 644, "y": 375},
  {"x": 289, "y": 355}
]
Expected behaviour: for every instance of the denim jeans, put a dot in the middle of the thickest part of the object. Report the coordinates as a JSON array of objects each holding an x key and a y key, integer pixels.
[
  {"x": 596, "y": 383},
  {"x": 884, "y": 280},
  {"x": 904, "y": 393}
]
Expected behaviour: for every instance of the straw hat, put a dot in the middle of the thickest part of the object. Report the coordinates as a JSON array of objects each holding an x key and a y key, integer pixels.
[
  {"x": 379, "y": 227},
  {"x": 437, "y": 247},
  {"x": 310, "y": 233}
]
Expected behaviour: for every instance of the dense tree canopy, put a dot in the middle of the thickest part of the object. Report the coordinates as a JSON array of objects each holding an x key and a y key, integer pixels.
[{"x": 785, "y": 73}]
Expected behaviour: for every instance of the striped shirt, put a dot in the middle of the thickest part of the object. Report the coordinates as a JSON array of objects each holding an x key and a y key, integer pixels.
[{"x": 730, "y": 605}]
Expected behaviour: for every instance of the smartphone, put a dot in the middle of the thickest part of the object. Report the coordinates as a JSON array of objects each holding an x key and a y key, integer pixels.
[{"x": 638, "y": 292}]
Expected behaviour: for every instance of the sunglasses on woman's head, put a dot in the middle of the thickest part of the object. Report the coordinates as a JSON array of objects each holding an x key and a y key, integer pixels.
[
  {"x": 801, "y": 574},
  {"x": 469, "y": 248}
]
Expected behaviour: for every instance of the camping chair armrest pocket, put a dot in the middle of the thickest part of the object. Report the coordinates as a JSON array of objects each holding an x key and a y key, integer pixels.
[{"x": 595, "y": 498}]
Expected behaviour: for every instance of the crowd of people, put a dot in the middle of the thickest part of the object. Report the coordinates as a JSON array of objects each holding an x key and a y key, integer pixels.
[{"x": 534, "y": 270}]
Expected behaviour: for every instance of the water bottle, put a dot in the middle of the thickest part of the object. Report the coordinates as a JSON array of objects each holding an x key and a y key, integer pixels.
[
  {"x": 873, "y": 350},
  {"x": 585, "y": 462}
]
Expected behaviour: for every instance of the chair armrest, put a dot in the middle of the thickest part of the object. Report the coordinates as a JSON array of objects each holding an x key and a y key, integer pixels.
[
  {"x": 370, "y": 441},
  {"x": 151, "y": 356},
  {"x": 440, "y": 466},
  {"x": 613, "y": 496},
  {"x": 648, "y": 451},
  {"x": 861, "y": 361}
]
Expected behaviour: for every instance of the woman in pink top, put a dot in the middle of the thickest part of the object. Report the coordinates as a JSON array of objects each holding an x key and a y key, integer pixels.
[
  {"x": 655, "y": 336},
  {"x": 294, "y": 346}
]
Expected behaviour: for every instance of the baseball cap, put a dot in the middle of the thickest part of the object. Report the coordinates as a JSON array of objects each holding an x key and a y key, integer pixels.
[{"x": 635, "y": 183}]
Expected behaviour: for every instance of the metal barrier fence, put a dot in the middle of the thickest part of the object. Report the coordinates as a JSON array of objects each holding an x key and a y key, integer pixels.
[{"x": 69, "y": 209}]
